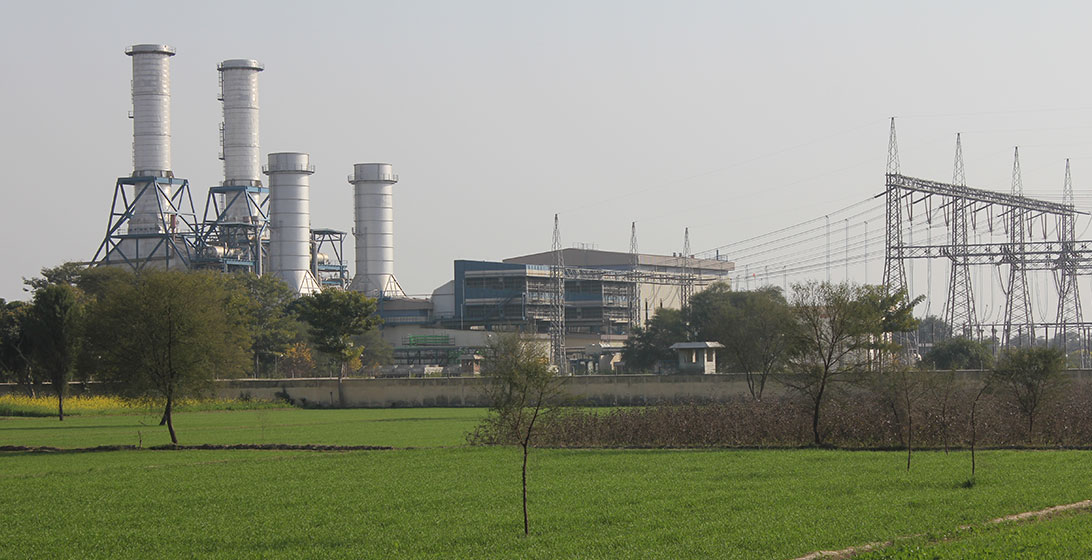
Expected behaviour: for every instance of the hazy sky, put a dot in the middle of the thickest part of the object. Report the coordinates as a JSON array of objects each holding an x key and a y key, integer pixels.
[{"x": 731, "y": 118}]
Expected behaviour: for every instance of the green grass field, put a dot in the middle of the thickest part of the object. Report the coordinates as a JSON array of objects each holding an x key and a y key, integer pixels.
[
  {"x": 401, "y": 427},
  {"x": 1064, "y": 537},
  {"x": 444, "y": 500}
]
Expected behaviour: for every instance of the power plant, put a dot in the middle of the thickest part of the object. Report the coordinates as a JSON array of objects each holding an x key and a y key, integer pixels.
[{"x": 584, "y": 302}]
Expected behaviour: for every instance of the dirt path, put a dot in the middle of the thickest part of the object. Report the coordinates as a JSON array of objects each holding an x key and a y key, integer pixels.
[{"x": 1037, "y": 515}]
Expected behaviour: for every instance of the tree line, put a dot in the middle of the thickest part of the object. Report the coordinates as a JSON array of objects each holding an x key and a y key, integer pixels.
[
  {"x": 824, "y": 335},
  {"x": 169, "y": 334}
]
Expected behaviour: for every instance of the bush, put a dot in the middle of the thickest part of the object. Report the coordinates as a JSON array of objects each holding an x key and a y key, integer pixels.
[{"x": 854, "y": 420}]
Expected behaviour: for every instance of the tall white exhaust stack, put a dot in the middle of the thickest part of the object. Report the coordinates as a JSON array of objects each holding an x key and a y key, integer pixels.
[
  {"x": 239, "y": 134},
  {"x": 151, "y": 110},
  {"x": 290, "y": 220},
  {"x": 239, "y": 93},
  {"x": 151, "y": 130},
  {"x": 374, "y": 229}
]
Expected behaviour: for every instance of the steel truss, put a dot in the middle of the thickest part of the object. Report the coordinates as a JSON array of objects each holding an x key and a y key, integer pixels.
[
  {"x": 1066, "y": 257},
  {"x": 225, "y": 241},
  {"x": 166, "y": 241},
  {"x": 333, "y": 272}
]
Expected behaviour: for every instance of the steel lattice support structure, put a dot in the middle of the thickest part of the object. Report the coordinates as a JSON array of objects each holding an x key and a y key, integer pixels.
[
  {"x": 235, "y": 224},
  {"x": 1020, "y": 253},
  {"x": 1017, "y": 302},
  {"x": 1069, "y": 299},
  {"x": 635, "y": 288},
  {"x": 328, "y": 258},
  {"x": 686, "y": 289},
  {"x": 894, "y": 269},
  {"x": 557, "y": 315},
  {"x": 152, "y": 224},
  {"x": 959, "y": 311}
]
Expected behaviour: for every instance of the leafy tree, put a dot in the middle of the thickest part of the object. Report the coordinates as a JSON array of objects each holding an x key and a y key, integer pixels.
[
  {"x": 753, "y": 326},
  {"x": 333, "y": 318},
  {"x": 1029, "y": 376},
  {"x": 263, "y": 301},
  {"x": 377, "y": 352},
  {"x": 166, "y": 334},
  {"x": 65, "y": 273},
  {"x": 933, "y": 330},
  {"x": 95, "y": 282},
  {"x": 651, "y": 345},
  {"x": 522, "y": 388},
  {"x": 959, "y": 353},
  {"x": 54, "y": 325},
  {"x": 15, "y": 363},
  {"x": 836, "y": 332},
  {"x": 297, "y": 361}
]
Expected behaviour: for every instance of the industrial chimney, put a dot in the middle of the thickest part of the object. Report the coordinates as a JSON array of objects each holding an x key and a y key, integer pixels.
[
  {"x": 151, "y": 110},
  {"x": 239, "y": 131},
  {"x": 151, "y": 130},
  {"x": 290, "y": 220},
  {"x": 374, "y": 229}
]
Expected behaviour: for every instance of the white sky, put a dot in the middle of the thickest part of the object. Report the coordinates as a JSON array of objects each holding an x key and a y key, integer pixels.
[{"x": 731, "y": 118}]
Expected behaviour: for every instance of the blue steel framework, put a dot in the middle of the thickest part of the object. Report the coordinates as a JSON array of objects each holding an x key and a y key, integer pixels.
[
  {"x": 177, "y": 225},
  {"x": 231, "y": 245},
  {"x": 333, "y": 273}
]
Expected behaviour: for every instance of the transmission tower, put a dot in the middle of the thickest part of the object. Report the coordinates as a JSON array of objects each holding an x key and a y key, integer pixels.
[
  {"x": 894, "y": 269},
  {"x": 557, "y": 318},
  {"x": 635, "y": 287},
  {"x": 1069, "y": 300},
  {"x": 686, "y": 288},
  {"x": 959, "y": 308},
  {"x": 1017, "y": 302}
]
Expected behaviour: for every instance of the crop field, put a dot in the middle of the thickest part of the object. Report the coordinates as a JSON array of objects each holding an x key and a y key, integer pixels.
[
  {"x": 403, "y": 427},
  {"x": 435, "y": 497}
]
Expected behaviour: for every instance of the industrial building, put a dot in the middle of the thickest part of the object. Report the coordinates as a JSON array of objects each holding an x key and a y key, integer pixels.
[
  {"x": 599, "y": 294},
  {"x": 583, "y": 303}
]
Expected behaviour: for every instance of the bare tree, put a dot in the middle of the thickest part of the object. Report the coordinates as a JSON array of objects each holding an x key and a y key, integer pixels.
[
  {"x": 942, "y": 384},
  {"x": 910, "y": 386},
  {"x": 985, "y": 388},
  {"x": 522, "y": 389}
]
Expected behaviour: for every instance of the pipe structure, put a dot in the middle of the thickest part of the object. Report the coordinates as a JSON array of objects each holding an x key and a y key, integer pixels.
[
  {"x": 290, "y": 220},
  {"x": 373, "y": 213},
  {"x": 151, "y": 114}
]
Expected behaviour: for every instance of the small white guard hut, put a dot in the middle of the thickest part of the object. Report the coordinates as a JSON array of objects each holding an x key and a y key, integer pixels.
[{"x": 697, "y": 357}]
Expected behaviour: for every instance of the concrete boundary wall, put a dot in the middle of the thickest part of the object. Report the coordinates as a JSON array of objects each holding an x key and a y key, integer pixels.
[
  {"x": 601, "y": 390},
  {"x": 595, "y": 390}
]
